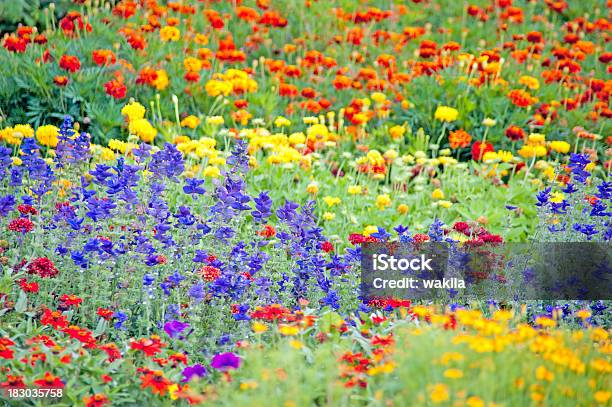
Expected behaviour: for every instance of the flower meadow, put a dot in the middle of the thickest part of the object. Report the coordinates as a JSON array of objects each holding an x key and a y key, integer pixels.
[{"x": 186, "y": 189}]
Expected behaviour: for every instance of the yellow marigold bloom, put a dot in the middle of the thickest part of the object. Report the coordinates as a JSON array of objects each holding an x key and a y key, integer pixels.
[
  {"x": 361, "y": 118},
  {"x": 504, "y": 156},
  {"x": 162, "y": 81},
  {"x": 312, "y": 188},
  {"x": 297, "y": 138},
  {"x": 445, "y": 204},
  {"x": 215, "y": 120},
  {"x": 529, "y": 81},
  {"x": 192, "y": 64},
  {"x": 397, "y": 132},
  {"x": 439, "y": 393},
  {"x": 556, "y": 197},
  {"x": 490, "y": 156},
  {"x": 529, "y": 151},
  {"x": 310, "y": 120},
  {"x": 453, "y": 374},
  {"x": 475, "y": 401},
  {"x": 169, "y": 33},
  {"x": 329, "y": 216},
  {"x": 375, "y": 158},
  {"x": 190, "y": 121},
  {"x": 211, "y": 171},
  {"x": 602, "y": 396},
  {"x": 391, "y": 155},
  {"x": 143, "y": 129},
  {"x": 437, "y": 194},
  {"x": 133, "y": 111},
  {"x": 259, "y": 327},
  {"x": 560, "y": 146},
  {"x": 173, "y": 390},
  {"x": 317, "y": 132},
  {"x": 583, "y": 313},
  {"x": 331, "y": 201},
  {"x": 121, "y": 146},
  {"x": 107, "y": 154},
  {"x": 544, "y": 374},
  {"x": 296, "y": 344},
  {"x": 24, "y": 129},
  {"x": 16, "y": 161},
  {"x": 47, "y": 135},
  {"x": 446, "y": 114},
  {"x": 382, "y": 201},
  {"x": 378, "y": 97},
  {"x": 249, "y": 385},
  {"x": 369, "y": 230},
  {"x": 288, "y": 330},
  {"x": 536, "y": 139},
  {"x": 355, "y": 189},
  {"x": 280, "y": 121},
  {"x": 215, "y": 88},
  {"x": 403, "y": 209}
]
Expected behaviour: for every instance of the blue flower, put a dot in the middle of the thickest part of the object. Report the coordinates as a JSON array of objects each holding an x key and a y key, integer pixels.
[{"x": 194, "y": 186}]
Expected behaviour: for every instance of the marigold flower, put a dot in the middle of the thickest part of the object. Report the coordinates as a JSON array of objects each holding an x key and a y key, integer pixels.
[
  {"x": 70, "y": 63},
  {"x": 133, "y": 111},
  {"x": 382, "y": 201},
  {"x": 190, "y": 121},
  {"x": 47, "y": 135},
  {"x": 143, "y": 129},
  {"x": 169, "y": 33},
  {"x": 446, "y": 114},
  {"x": 459, "y": 139},
  {"x": 562, "y": 147}
]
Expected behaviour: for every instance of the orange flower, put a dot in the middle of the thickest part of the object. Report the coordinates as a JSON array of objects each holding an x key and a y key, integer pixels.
[
  {"x": 459, "y": 139},
  {"x": 521, "y": 98}
]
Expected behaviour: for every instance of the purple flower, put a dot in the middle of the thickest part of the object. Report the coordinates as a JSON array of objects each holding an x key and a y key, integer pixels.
[
  {"x": 225, "y": 361},
  {"x": 174, "y": 328},
  {"x": 196, "y": 370}
]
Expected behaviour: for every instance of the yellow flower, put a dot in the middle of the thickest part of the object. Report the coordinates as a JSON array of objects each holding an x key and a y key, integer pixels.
[
  {"x": 190, "y": 121},
  {"x": 312, "y": 188},
  {"x": 288, "y": 330},
  {"x": 259, "y": 327},
  {"x": 143, "y": 129},
  {"x": 446, "y": 114},
  {"x": 437, "y": 194},
  {"x": 402, "y": 209},
  {"x": 354, "y": 189},
  {"x": 329, "y": 216},
  {"x": 280, "y": 121},
  {"x": 211, "y": 171},
  {"x": 382, "y": 201},
  {"x": 192, "y": 64},
  {"x": 107, "y": 154},
  {"x": 297, "y": 138},
  {"x": 560, "y": 146},
  {"x": 445, "y": 204},
  {"x": 390, "y": 155},
  {"x": 370, "y": 230},
  {"x": 317, "y": 132},
  {"x": 16, "y": 161},
  {"x": 505, "y": 156},
  {"x": 488, "y": 122},
  {"x": 133, "y": 111},
  {"x": 602, "y": 396},
  {"x": 530, "y": 82},
  {"x": 474, "y": 401},
  {"x": 47, "y": 135},
  {"x": 173, "y": 390},
  {"x": 544, "y": 374},
  {"x": 24, "y": 129},
  {"x": 529, "y": 151},
  {"x": 439, "y": 393},
  {"x": 296, "y": 344},
  {"x": 378, "y": 97},
  {"x": 490, "y": 156},
  {"x": 397, "y": 132},
  {"x": 169, "y": 33},
  {"x": 161, "y": 82},
  {"x": 536, "y": 139},
  {"x": 248, "y": 385},
  {"x": 556, "y": 197},
  {"x": 215, "y": 120},
  {"x": 453, "y": 374},
  {"x": 215, "y": 88},
  {"x": 331, "y": 201}
]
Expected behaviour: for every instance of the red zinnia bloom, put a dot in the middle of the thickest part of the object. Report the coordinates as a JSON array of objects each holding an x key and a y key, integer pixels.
[
  {"x": 479, "y": 149},
  {"x": 149, "y": 346},
  {"x": 105, "y": 313},
  {"x": 27, "y": 286},
  {"x": 97, "y": 400},
  {"x": 156, "y": 381},
  {"x": 70, "y": 63},
  {"x": 70, "y": 300},
  {"x": 267, "y": 232},
  {"x": 54, "y": 318},
  {"x": 43, "y": 267},
  {"x": 327, "y": 247},
  {"x": 112, "y": 351},
  {"x": 210, "y": 273},
  {"x": 22, "y": 225},
  {"x": 27, "y": 209},
  {"x": 5, "y": 351},
  {"x": 15, "y": 382},
  {"x": 49, "y": 381}
]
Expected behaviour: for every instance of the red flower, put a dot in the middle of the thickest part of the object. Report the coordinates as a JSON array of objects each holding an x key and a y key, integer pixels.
[
  {"x": 97, "y": 400},
  {"x": 268, "y": 231},
  {"x": 14, "y": 382},
  {"x": 327, "y": 247},
  {"x": 43, "y": 267},
  {"x": 5, "y": 351},
  {"x": 22, "y": 225},
  {"x": 462, "y": 227},
  {"x": 105, "y": 313},
  {"x": 420, "y": 238},
  {"x": 27, "y": 286},
  {"x": 515, "y": 133},
  {"x": 103, "y": 57},
  {"x": 27, "y": 209},
  {"x": 70, "y": 63},
  {"x": 156, "y": 381},
  {"x": 70, "y": 300},
  {"x": 149, "y": 347},
  {"x": 115, "y": 88},
  {"x": 81, "y": 334},
  {"x": 49, "y": 381},
  {"x": 210, "y": 273},
  {"x": 54, "y": 318},
  {"x": 479, "y": 150},
  {"x": 15, "y": 44},
  {"x": 112, "y": 351}
]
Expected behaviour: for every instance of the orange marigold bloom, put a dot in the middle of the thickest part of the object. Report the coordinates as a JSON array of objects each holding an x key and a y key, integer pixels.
[
  {"x": 521, "y": 98},
  {"x": 459, "y": 139}
]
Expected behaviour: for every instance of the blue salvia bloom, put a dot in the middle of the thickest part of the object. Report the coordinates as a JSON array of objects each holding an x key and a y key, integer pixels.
[
  {"x": 193, "y": 186},
  {"x": 436, "y": 233},
  {"x": 71, "y": 149},
  {"x": 239, "y": 159},
  {"x": 5, "y": 161},
  {"x": 263, "y": 207},
  {"x": 167, "y": 162},
  {"x": 7, "y": 204},
  {"x": 577, "y": 163}
]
